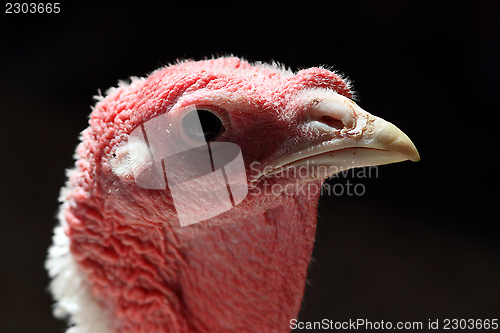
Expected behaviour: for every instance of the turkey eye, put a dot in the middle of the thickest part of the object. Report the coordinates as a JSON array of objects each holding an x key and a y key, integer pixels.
[{"x": 211, "y": 125}]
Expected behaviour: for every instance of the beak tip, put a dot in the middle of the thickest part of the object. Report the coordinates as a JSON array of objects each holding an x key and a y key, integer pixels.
[
  {"x": 415, "y": 158},
  {"x": 413, "y": 155},
  {"x": 391, "y": 138},
  {"x": 411, "y": 151}
]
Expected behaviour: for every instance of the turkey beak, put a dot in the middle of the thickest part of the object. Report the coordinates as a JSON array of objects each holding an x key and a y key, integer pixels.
[
  {"x": 387, "y": 137},
  {"x": 354, "y": 131},
  {"x": 354, "y": 137},
  {"x": 346, "y": 137}
]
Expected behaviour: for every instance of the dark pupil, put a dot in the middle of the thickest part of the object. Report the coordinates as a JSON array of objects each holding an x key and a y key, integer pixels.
[{"x": 210, "y": 124}]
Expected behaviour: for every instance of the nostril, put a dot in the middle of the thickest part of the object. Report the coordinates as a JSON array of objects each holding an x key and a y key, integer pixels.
[
  {"x": 332, "y": 122},
  {"x": 333, "y": 115}
]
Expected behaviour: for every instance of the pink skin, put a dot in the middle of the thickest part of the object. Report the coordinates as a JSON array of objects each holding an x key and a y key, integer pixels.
[{"x": 242, "y": 271}]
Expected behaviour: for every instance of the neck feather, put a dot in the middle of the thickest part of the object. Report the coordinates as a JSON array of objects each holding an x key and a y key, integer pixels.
[{"x": 246, "y": 275}]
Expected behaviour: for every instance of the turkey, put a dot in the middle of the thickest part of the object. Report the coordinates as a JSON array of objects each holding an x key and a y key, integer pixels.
[{"x": 147, "y": 241}]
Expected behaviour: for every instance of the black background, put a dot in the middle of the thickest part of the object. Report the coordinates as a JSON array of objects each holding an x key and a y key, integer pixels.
[{"x": 421, "y": 243}]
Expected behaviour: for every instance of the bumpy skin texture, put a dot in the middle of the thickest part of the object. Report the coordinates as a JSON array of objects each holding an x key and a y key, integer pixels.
[{"x": 242, "y": 271}]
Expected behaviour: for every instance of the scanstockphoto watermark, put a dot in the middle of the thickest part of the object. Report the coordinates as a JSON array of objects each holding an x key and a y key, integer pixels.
[
  {"x": 351, "y": 186},
  {"x": 365, "y": 324},
  {"x": 357, "y": 324}
]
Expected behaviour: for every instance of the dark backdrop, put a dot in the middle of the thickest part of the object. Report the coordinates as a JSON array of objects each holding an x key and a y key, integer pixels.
[{"x": 421, "y": 243}]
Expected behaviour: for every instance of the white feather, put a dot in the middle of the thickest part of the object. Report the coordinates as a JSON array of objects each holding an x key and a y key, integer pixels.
[{"x": 69, "y": 287}]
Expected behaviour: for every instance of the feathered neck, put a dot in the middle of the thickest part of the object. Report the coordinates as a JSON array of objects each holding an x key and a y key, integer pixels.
[{"x": 201, "y": 278}]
